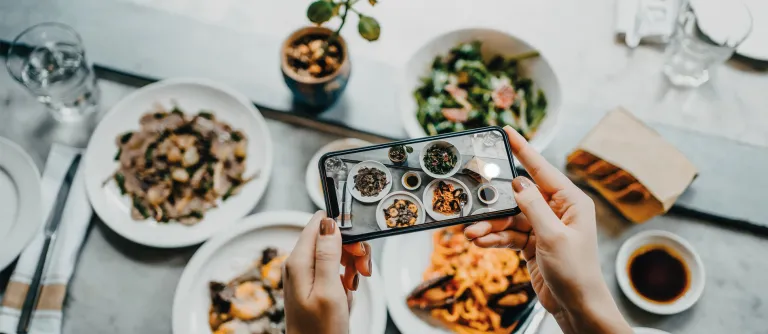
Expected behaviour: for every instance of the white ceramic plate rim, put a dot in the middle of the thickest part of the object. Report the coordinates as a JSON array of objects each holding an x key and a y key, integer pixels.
[
  {"x": 356, "y": 193},
  {"x": 408, "y": 112},
  {"x": 378, "y": 320},
  {"x": 380, "y": 213},
  {"x": 312, "y": 177},
  {"x": 174, "y": 235},
  {"x": 22, "y": 171},
  {"x": 452, "y": 171},
  {"x": 677, "y": 306},
  {"x": 440, "y": 216}
]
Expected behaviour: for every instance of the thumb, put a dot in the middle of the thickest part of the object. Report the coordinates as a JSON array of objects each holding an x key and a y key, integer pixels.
[
  {"x": 327, "y": 252},
  {"x": 543, "y": 220}
]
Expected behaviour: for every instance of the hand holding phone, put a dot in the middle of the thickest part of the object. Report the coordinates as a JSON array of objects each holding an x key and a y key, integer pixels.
[{"x": 419, "y": 184}]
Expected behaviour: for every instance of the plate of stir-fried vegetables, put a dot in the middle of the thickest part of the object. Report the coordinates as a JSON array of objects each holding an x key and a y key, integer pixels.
[{"x": 476, "y": 78}]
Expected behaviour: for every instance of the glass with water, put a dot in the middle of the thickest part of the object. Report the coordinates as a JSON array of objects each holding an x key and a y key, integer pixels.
[
  {"x": 49, "y": 59},
  {"x": 707, "y": 34}
]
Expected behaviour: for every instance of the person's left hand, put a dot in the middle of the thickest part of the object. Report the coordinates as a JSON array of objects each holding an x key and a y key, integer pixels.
[{"x": 317, "y": 298}]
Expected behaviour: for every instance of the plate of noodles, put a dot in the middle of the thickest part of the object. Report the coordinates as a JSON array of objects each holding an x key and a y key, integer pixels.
[{"x": 438, "y": 282}]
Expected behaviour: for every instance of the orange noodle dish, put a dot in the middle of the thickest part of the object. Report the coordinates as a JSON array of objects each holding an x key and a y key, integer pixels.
[{"x": 472, "y": 290}]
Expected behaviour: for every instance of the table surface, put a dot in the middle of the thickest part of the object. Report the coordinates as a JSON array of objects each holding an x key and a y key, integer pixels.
[{"x": 599, "y": 74}]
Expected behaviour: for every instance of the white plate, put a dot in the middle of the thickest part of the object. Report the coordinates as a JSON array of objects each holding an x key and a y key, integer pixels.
[
  {"x": 312, "y": 178},
  {"x": 403, "y": 262},
  {"x": 482, "y": 211},
  {"x": 756, "y": 44},
  {"x": 444, "y": 144},
  {"x": 192, "y": 95},
  {"x": 20, "y": 215},
  {"x": 683, "y": 248},
  {"x": 428, "y": 195},
  {"x": 356, "y": 193},
  {"x": 234, "y": 250},
  {"x": 645, "y": 330},
  {"x": 494, "y": 42},
  {"x": 387, "y": 201}
]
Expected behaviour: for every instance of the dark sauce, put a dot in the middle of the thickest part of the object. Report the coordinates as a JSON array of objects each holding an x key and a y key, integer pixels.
[
  {"x": 658, "y": 274},
  {"x": 411, "y": 180},
  {"x": 487, "y": 194}
]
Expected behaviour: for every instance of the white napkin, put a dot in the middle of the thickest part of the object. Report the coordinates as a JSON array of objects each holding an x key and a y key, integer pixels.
[{"x": 61, "y": 261}]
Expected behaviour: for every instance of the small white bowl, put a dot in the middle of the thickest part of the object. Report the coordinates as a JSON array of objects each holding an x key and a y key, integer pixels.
[
  {"x": 495, "y": 192},
  {"x": 495, "y": 42},
  {"x": 406, "y": 175},
  {"x": 440, "y": 143},
  {"x": 683, "y": 249}
]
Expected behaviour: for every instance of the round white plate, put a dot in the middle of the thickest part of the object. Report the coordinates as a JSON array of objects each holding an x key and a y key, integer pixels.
[
  {"x": 756, "y": 44},
  {"x": 387, "y": 201},
  {"x": 404, "y": 259},
  {"x": 191, "y": 95},
  {"x": 428, "y": 195},
  {"x": 683, "y": 248},
  {"x": 440, "y": 143},
  {"x": 20, "y": 216},
  {"x": 494, "y": 42},
  {"x": 356, "y": 193},
  {"x": 233, "y": 251},
  {"x": 482, "y": 211},
  {"x": 312, "y": 178}
]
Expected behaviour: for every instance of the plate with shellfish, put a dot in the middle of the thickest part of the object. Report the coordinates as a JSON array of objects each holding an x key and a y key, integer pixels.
[{"x": 399, "y": 209}]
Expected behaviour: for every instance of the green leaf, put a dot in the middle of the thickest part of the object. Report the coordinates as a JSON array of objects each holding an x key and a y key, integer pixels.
[
  {"x": 320, "y": 11},
  {"x": 373, "y": 2},
  {"x": 369, "y": 28},
  {"x": 409, "y": 149}
]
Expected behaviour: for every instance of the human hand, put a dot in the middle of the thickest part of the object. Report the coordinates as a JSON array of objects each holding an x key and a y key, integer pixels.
[
  {"x": 317, "y": 298},
  {"x": 557, "y": 235}
]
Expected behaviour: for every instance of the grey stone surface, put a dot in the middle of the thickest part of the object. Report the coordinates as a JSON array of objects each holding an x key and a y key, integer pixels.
[{"x": 120, "y": 287}]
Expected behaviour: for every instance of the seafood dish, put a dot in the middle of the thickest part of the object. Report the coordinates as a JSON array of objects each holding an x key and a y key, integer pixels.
[
  {"x": 253, "y": 302},
  {"x": 472, "y": 290},
  {"x": 447, "y": 199},
  {"x": 463, "y": 91},
  {"x": 440, "y": 159},
  {"x": 370, "y": 181},
  {"x": 178, "y": 166},
  {"x": 402, "y": 213}
]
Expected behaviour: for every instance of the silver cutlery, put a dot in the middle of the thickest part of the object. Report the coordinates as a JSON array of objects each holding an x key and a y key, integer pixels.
[{"x": 51, "y": 227}]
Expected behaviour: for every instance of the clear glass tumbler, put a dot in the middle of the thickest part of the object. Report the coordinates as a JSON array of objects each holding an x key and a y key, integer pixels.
[
  {"x": 49, "y": 59},
  {"x": 707, "y": 34}
]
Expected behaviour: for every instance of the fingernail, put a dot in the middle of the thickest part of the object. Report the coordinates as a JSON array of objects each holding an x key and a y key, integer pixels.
[
  {"x": 355, "y": 282},
  {"x": 327, "y": 226},
  {"x": 362, "y": 248},
  {"x": 507, "y": 127},
  {"x": 370, "y": 265},
  {"x": 520, "y": 183}
]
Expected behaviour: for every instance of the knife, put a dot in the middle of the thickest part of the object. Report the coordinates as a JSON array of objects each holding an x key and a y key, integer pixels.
[{"x": 51, "y": 227}]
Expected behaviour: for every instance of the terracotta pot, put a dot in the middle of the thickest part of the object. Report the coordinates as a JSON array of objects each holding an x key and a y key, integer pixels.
[{"x": 316, "y": 92}]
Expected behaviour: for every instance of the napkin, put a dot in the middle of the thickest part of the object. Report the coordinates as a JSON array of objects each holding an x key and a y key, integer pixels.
[
  {"x": 633, "y": 167},
  {"x": 61, "y": 261}
]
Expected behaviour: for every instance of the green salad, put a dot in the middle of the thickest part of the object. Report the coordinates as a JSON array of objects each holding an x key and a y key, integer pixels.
[{"x": 463, "y": 92}]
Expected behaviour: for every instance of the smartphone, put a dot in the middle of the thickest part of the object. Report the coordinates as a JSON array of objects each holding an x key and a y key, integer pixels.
[{"x": 419, "y": 184}]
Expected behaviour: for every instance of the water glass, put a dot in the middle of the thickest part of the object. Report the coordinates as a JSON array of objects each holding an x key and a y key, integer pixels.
[
  {"x": 49, "y": 60},
  {"x": 707, "y": 34}
]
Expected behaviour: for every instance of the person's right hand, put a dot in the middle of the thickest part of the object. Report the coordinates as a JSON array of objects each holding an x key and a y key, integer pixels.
[{"x": 557, "y": 234}]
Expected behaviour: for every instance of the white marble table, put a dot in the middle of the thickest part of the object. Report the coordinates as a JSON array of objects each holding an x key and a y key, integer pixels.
[{"x": 115, "y": 278}]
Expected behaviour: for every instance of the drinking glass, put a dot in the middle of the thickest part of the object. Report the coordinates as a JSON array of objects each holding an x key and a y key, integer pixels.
[
  {"x": 49, "y": 60},
  {"x": 707, "y": 34}
]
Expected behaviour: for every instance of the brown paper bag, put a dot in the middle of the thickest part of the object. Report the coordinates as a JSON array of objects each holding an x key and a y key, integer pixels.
[{"x": 631, "y": 166}]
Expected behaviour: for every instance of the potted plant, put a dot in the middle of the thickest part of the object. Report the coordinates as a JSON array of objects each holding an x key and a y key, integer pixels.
[
  {"x": 315, "y": 59},
  {"x": 399, "y": 154}
]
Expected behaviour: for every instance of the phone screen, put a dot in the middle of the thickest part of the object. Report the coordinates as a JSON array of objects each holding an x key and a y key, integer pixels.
[{"x": 419, "y": 184}]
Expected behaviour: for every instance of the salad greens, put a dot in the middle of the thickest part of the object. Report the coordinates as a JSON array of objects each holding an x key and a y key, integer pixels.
[
  {"x": 463, "y": 92},
  {"x": 440, "y": 160}
]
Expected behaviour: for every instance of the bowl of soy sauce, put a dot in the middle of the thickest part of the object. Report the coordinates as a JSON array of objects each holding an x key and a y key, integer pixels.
[
  {"x": 487, "y": 194},
  {"x": 660, "y": 272}
]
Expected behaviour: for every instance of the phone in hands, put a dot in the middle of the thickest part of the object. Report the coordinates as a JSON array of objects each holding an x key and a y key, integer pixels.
[{"x": 419, "y": 184}]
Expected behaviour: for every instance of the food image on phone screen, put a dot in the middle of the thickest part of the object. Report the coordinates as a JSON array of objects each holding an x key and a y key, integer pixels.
[{"x": 419, "y": 184}]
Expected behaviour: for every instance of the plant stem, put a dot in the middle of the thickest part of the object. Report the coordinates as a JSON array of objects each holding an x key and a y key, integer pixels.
[{"x": 347, "y": 7}]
